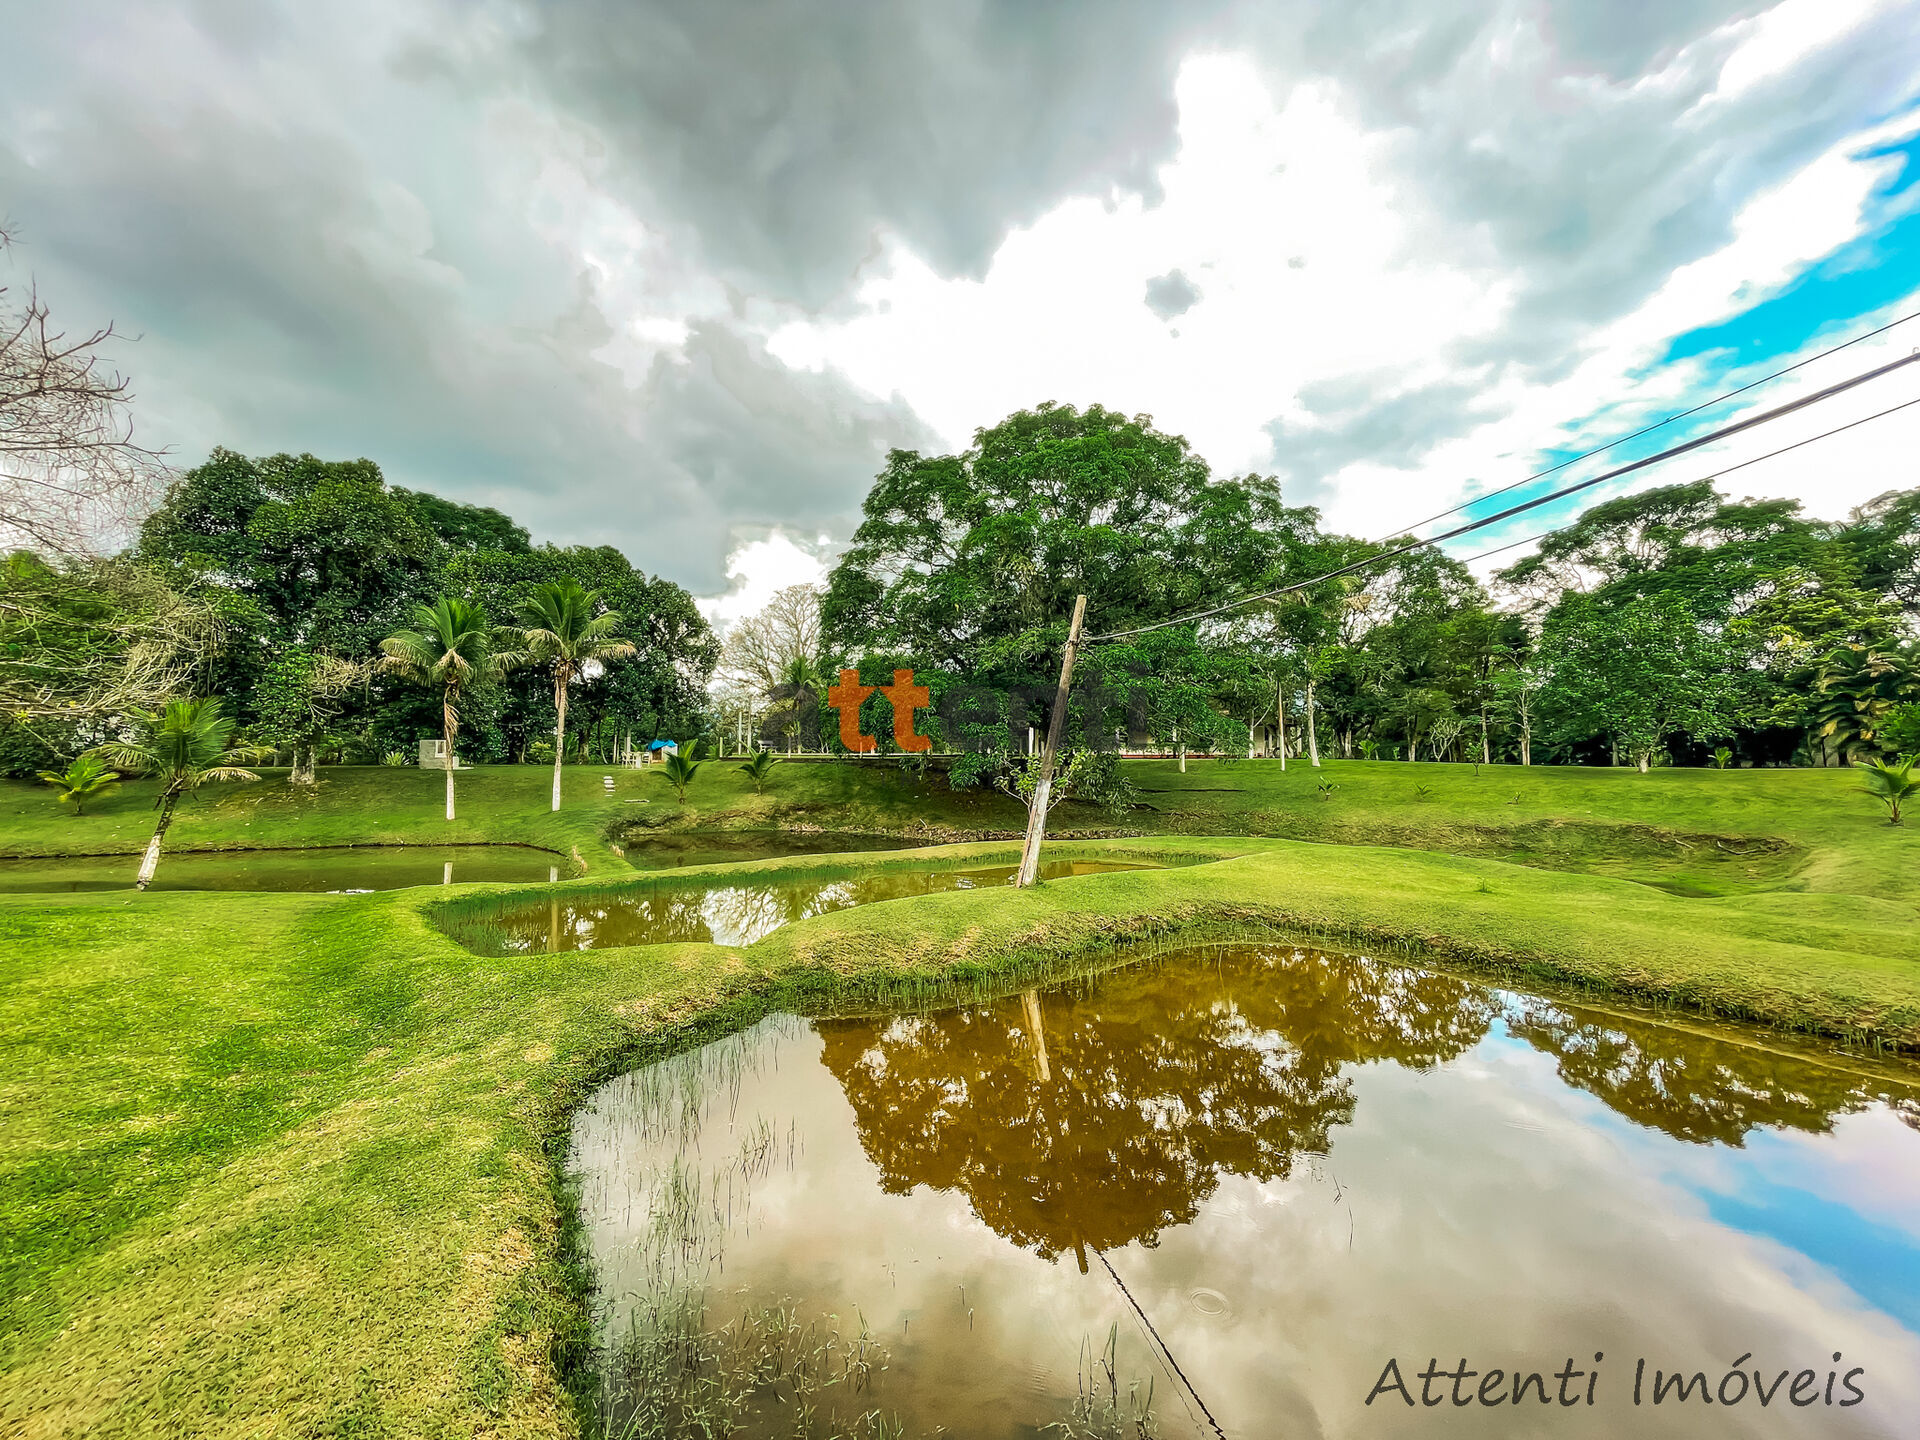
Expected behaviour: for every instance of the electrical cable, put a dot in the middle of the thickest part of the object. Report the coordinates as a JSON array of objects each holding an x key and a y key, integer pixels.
[
  {"x": 1683, "y": 448},
  {"x": 1137, "y": 1310},
  {"x": 1658, "y": 424},
  {"x": 1515, "y": 545}
]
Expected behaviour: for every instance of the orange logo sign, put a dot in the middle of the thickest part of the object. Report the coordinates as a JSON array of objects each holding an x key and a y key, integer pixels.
[{"x": 849, "y": 695}]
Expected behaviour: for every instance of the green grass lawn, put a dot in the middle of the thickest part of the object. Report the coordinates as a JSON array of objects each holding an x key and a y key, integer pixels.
[{"x": 283, "y": 1164}]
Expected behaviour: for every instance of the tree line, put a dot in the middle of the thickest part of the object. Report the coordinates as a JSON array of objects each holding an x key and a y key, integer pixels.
[
  {"x": 273, "y": 583},
  {"x": 1676, "y": 626}
]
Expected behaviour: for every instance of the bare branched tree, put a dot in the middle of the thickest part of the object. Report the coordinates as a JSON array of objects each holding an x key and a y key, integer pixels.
[
  {"x": 70, "y": 470},
  {"x": 760, "y": 649},
  {"x": 82, "y": 642}
]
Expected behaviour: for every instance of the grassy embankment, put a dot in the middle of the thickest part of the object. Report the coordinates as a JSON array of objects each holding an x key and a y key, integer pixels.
[{"x": 282, "y": 1164}]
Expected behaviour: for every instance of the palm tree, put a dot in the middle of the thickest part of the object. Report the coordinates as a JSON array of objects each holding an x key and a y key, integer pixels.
[
  {"x": 185, "y": 746},
  {"x": 758, "y": 768},
  {"x": 87, "y": 778},
  {"x": 1890, "y": 783},
  {"x": 453, "y": 647},
  {"x": 560, "y": 630},
  {"x": 681, "y": 767},
  {"x": 804, "y": 676}
]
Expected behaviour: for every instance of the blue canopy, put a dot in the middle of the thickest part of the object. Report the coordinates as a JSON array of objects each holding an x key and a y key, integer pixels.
[{"x": 664, "y": 745}]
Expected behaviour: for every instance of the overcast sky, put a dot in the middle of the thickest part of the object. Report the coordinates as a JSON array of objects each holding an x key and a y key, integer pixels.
[{"x": 675, "y": 276}]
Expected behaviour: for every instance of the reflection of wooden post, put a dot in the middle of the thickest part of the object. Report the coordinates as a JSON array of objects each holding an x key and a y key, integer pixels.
[
  {"x": 553, "y": 924},
  {"x": 1056, "y": 725},
  {"x": 1030, "y": 1002}
]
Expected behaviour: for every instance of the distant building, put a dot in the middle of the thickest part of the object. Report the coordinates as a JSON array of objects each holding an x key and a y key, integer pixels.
[{"x": 433, "y": 756}]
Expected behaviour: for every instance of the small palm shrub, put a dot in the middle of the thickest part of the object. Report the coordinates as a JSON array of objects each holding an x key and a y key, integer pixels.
[
  {"x": 758, "y": 768},
  {"x": 681, "y": 767},
  {"x": 87, "y": 778},
  {"x": 1890, "y": 782},
  {"x": 1722, "y": 758}
]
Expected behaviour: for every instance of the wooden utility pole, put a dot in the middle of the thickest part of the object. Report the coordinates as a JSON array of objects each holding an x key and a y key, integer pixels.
[{"x": 1056, "y": 724}]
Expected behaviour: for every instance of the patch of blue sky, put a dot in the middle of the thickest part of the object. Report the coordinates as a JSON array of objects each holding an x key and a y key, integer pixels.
[
  {"x": 1877, "y": 268},
  {"x": 1877, "y": 1262},
  {"x": 1744, "y": 1189}
]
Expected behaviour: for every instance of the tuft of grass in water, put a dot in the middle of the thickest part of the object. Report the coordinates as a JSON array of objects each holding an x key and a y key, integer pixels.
[
  {"x": 764, "y": 1372},
  {"x": 1099, "y": 1410}
]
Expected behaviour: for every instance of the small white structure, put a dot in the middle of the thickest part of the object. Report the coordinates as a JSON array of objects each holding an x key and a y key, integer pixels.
[{"x": 433, "y": 756}]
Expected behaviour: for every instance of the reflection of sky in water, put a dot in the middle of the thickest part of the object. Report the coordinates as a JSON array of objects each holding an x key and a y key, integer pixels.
[
  {"x": 1481, "y": 1207},
  {"x": 645, "y": 914}
]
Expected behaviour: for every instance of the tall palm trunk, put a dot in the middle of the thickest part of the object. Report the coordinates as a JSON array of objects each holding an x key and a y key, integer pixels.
[
  {"x": 449, "y": 728},
  {"x": 1280, "y": 708},
  {"x": 150, "y": 862},
  {"x": 1313, "y": 737},
  {"x": 560, "y": 678}
]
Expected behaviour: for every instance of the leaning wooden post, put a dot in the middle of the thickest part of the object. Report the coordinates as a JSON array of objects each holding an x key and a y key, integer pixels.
[{"x": 1056, "y": 723}]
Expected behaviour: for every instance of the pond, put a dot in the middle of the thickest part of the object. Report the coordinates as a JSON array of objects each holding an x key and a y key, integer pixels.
[
  {"x": 718, "y": 847},
  {"x": 731, "y": 914},
  {"x": 1271, "y": 1171},
  {"x": 330, "y": 868}
]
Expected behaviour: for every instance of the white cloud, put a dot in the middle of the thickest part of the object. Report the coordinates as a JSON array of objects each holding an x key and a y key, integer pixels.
[
  {"x": 756, "y": 568},
  {"x": 1778, "y": 39},
  {"x": 1309, "y": 264},
  {"x": 1320, "y": 275}
]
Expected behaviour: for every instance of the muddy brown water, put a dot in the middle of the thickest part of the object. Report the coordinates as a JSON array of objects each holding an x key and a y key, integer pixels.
[
  {"x": 323, "y": 868},
  {"x": 736, "y": 913},
  {"x": 1299, "y": 1166}
]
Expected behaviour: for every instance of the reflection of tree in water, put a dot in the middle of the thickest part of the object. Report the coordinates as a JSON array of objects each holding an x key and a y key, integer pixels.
[
  {"x": 1690, "y": 1086},
  {"x": 1161, "y": 1079}
]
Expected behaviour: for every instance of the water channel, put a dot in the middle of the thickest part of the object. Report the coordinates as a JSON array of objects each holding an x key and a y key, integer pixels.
[
  {"x": 738, "y": 913},
  {"x": 1298, "y": 1167},
  {"x": 672, "y": 849},
  {"x": 324, "y": 868}
]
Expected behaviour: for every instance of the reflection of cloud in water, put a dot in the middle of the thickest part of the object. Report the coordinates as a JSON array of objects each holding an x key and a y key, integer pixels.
[
  {"x": 1302, "y": 1214},
  {"x": 645, "y": 914}
]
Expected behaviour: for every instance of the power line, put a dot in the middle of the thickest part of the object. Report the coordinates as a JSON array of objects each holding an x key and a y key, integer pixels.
[
  {"x": 1515, "y": 545},
  {"x": 1164, "y": 1349},
  {"x": 1658, "y": 424},
  {"x": 1683, "y": 448}
]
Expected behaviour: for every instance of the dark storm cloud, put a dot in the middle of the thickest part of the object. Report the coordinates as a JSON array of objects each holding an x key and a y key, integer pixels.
[
  {"x": 312, "y": 231},
  {"x": 1172, "y": 294},
  {"x": 1560, "y": 141},
  {"x": 788, "y": 133},
  {"x": 288, "y": 295}
]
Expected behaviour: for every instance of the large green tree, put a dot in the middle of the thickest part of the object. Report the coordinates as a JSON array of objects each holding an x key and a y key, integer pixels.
[
  {"x": 86, "y": 643},
  {"x": 965, "y": 567},
  {"x": 1637, "y": 673},
  {"x": 331, "y": 556}
]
